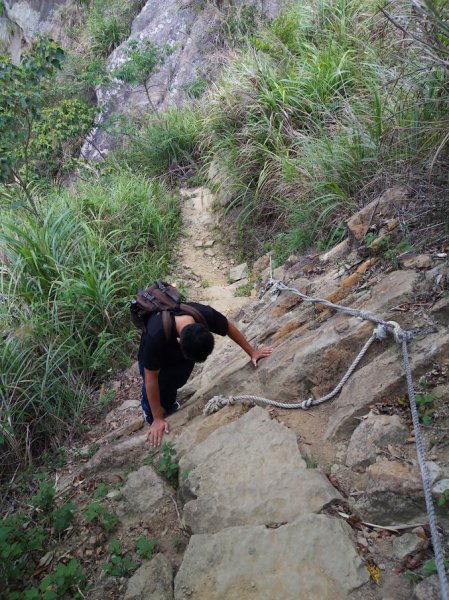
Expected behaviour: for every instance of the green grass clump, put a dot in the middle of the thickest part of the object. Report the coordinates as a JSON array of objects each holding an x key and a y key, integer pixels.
[
  {"x": 318, "y": 112},
  {"x": 66, "y": 284},
  {"x": 109, "y": 24},
  {"x": 165, "y": 145}
]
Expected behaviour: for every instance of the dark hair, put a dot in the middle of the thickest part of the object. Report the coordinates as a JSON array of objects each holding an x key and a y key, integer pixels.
[{"x": 197, "y": 342}]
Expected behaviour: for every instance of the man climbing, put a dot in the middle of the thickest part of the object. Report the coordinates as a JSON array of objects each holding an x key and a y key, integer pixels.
[{"x": 166, "y": 363}]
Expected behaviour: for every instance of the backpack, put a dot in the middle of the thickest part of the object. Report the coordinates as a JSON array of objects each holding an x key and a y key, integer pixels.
[{"x": 161, "y": 297}]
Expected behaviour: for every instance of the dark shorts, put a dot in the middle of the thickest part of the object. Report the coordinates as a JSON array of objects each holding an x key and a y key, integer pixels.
[{"x": 170, "y": 380}]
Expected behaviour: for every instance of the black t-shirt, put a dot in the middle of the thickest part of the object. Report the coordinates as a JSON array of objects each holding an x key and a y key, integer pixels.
[{"x": 156, "y": 351}]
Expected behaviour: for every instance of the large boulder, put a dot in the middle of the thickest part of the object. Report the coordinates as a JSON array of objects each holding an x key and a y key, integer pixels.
[
  {"x": 313, "y": 557},
  {"x": 250, "y": 472}
]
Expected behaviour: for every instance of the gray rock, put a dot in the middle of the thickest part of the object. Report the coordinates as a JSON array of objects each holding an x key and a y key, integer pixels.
[
  {"x": 312, "y": 557},
  {"x": 416, "y": 261},
  {"x": 129, "y": 404},
  {"x": 440, "y": 311},
  {"x": 143, "y": 493},
  {"x": 152, "y": 581},
  {"x": 440, "y": 487},
  {"x": 238, "y": 272},
  {"x": 428, "y": 589},
  {"x": 119, "y": 456},
  {"x": 189, "y": 30},
  {"x": 375, "y": 432},
  {"x": 377, "y": 212},
  {"x": 435, "y": 471},
  {"x": 250, "y": 472},
  {"x": 393, "y": 494},
  {"x": 406, "y": 544}
]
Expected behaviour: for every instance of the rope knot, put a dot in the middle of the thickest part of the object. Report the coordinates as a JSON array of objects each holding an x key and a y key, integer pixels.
[
  {"x": 380, "y": 332},
  {"x": 307, "y": 403}
]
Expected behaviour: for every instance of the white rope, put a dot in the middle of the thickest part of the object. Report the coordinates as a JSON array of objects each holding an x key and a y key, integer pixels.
[
  {"x": 380, "y": 333},
  {"x": 436, "y": 542}
]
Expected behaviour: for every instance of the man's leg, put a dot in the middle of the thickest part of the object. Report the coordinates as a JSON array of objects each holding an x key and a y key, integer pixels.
[{"x": 170, "y": 380}]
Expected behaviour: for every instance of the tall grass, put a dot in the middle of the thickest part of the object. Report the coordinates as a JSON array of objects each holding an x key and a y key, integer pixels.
[
  {"x": 65, "y": 290},
  {"x": 319, "y": 112},
  {"x": 164, "y": 145}
]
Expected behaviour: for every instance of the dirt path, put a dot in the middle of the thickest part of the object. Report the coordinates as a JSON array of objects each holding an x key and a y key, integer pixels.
[{"x": 203, "y": 267}]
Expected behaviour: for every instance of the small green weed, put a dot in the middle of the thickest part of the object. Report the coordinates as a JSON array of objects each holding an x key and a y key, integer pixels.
[
  {"x": 166, "y": 466},
  {"x": 244, "y": 290},
  {"x": 63, "y": 517},
  {"x": 119, "y": 565},
  {"x": 64, "y": 579},
  {"x": 98, "y": 515},
  {"x": 44, "y": 499},
  {"x": 311, "y": 463},
  {"x": 101, "y": 491},
  {"x": 145, "y": 548},
  {"x": 426, "y": 407}
]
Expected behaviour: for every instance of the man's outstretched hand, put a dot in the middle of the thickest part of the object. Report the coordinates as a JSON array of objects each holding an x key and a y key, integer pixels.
[
  {"x": 156, "y": 433},
  {"x": 259, "y": 353}
]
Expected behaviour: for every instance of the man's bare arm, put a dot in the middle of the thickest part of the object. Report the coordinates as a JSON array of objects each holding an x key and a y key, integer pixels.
[
  {"x": 254, "y": 353},
  {"x": 159, "y": 425}
]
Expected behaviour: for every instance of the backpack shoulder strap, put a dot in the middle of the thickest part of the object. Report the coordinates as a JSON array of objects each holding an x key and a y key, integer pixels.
[{"x": 193, "y": 312}]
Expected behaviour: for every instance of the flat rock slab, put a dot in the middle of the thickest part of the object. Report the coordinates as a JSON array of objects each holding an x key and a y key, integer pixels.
[
  {"x": 311, "y": 558},
  {"x": 250, "y": 472}
]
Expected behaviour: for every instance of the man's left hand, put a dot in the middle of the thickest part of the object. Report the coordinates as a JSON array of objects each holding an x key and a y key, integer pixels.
[{"x": 259, "y": 353}]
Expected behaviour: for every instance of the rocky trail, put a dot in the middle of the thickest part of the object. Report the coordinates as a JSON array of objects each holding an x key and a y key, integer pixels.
[{"x": 273, "y": 504}]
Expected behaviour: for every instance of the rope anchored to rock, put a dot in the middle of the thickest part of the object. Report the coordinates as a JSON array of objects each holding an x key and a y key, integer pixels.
[{"x": 381, "y": 332}]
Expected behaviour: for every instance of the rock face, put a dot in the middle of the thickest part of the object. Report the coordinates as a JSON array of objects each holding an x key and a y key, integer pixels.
[
  {"x": 188, "y": 28},
  {"x": 152, "y": 581},
  {"x": 309, "y": 558},
  {"x": 26, "y": 18},
  {"x": 250, "y": 472}
]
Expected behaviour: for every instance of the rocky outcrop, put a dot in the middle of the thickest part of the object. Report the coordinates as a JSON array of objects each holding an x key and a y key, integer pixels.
[
  {"x": 24, "y": 19},
  {"x": 188, "y": 28}
]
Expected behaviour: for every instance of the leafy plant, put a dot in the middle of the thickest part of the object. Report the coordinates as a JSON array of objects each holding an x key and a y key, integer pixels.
[
  {"x": 44, "y": 499},
  {"x": 145, "y": 548},
  {"x": 166, "y": 465},
  {"x": 101, "y": 491},
  {"x": 22, "y": 96},
  {"x": 98, "y": 515},
  {"x": 118, "y": 565},
  {"x": 64, "y": 579},
  {"x": 142, "y": 59},
  {"x": 64, "y": 516},
  {"x": 425, "y": 403}
]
